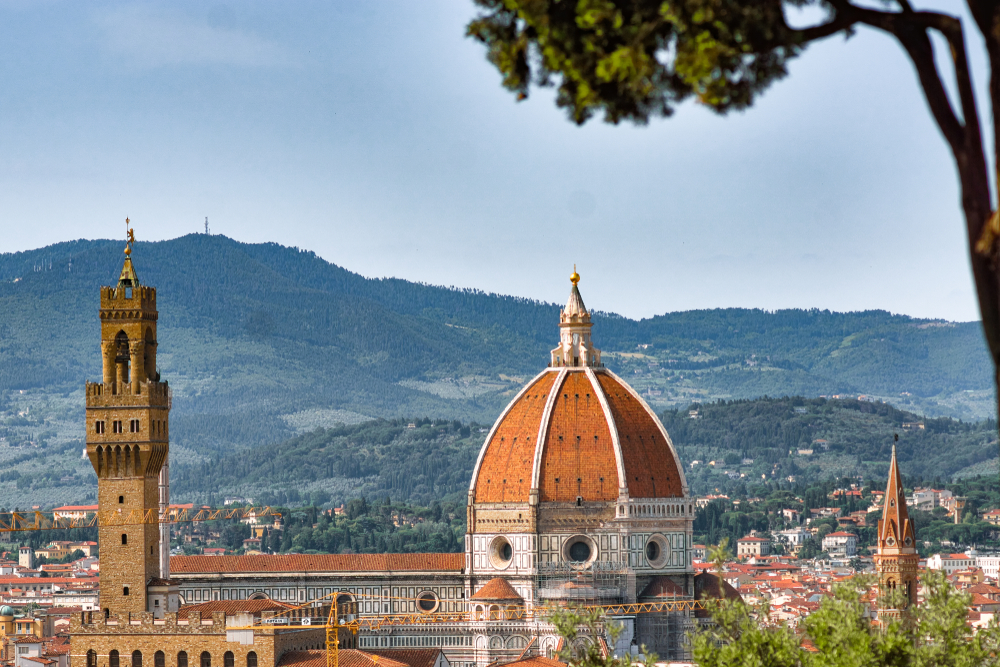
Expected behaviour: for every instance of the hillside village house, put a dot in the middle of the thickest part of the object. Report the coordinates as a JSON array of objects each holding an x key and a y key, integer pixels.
[
  {"x": 751, "y": 545},
  {"x": 951, "y": 563},
  {"x": 793, "y": 538},
  {"x": 841, "y": 544}
]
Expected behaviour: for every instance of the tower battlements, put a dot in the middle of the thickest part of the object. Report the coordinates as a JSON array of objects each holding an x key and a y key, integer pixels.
[
  {"x": 125, "y": 298},
  {"x": 151, "y": 394}
]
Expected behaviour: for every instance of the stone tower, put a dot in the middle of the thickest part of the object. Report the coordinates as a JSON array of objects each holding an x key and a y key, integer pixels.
[
  {"x": 897, "y": 550},
  {"x": 127, "y": 436}
]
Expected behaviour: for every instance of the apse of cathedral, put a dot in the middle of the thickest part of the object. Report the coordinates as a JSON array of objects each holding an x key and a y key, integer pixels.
[{"x": 578, "y": 497}]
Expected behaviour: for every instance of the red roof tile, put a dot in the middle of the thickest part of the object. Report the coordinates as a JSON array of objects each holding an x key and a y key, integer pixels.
[
  {"x": 537, "y": 661},
  {"x": 317, "y": 563},
  {"x": 662, "y": 587},
  {"x": 346, "y": 658},
  {"x": 232, "y": 607},
  {"x": 414, "y": 657},
  {"x": 497, "y": 589}
]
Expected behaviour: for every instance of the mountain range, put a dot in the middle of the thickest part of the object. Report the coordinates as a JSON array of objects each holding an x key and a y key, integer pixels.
[{"x": 261, "y": 342}]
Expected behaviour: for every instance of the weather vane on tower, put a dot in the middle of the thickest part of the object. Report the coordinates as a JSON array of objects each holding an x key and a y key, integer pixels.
[{"x": 129, "y": 237}]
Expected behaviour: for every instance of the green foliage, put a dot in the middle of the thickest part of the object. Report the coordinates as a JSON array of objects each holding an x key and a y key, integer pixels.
[
  {"x": 857, "y": 434},
  {"x": 372, "y": 528},
  {"x": 933, "y": 633},
  {"x": 379, "y": 458},
  {"x": 573, "y": 624},
  {"x": 633, "y": 60}
]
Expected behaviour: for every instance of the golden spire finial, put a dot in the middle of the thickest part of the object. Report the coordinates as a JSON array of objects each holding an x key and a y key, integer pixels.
[
  {"x": 129, "y": 238},
  {"x": 575, "y": 277}
]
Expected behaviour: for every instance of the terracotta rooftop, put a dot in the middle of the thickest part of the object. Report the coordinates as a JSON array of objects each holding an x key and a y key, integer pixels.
[
  {"x": 497, "y": 589},
  {"x": 232, "y": 607},
  {"x": 317, "y": 563},
  {"x": 537, "y": 661},
  {"x": 346, "y": 658},
  {"x": 577, "y": 431},
  {"x": 414, "y": 657},
  {"x": 662, "y": 587}
]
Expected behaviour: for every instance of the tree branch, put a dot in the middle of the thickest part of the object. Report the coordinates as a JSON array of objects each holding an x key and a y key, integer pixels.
[{"x": 910, "y": 29}]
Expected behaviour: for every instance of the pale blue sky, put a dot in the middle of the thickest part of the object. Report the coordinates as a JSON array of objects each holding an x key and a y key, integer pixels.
[{"x": 377, "y": 135}]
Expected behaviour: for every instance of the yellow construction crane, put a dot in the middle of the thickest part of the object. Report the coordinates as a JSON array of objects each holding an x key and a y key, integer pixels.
[
  {"x": 342, "y": 616},
  {"x": 53, "y": 519}
]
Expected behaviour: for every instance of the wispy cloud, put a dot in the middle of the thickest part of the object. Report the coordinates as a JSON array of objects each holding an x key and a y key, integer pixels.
[{"x": 145, "y": 36}]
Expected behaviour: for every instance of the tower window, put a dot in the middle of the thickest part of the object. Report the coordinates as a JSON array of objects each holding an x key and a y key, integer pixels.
[
  {"x": 124, "y": 590},
  {"x": 116, "y": 427},
  {"x": 99, "y": 427},
  {"x": 121, "y": 500},
  {"x": 124, "y": 539},
  {"x": 133, "y": 426}
]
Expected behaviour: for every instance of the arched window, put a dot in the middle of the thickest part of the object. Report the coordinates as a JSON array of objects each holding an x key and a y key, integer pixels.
[
  {"x": 91, "y": 658},
  {"x": 182, "y": 659},
  {"x": 113, "y": 659},
  {"x": 228, "y": 660},
  {"x": 136, "y": 658},
  {"x": 206, "y": 659},
  {"x": 159, "y": 660},
  {"x": 252, "y": 659}
]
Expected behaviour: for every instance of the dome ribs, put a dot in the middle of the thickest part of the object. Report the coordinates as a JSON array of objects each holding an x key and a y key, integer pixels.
[
  {"x": 504, "y": 474},
  {"x": 650, "y": 464},
  {"x": 578, "y": 459}
]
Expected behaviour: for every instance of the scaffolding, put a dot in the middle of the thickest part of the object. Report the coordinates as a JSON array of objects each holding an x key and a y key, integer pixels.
[{"x": 599, "y": 583}]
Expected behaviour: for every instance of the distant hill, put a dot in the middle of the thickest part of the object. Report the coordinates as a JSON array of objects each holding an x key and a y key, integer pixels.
[
  {"x": 810, "y": 440},
  {"x": 263, "y": 342},
  {"x": 818, "y": 439}
]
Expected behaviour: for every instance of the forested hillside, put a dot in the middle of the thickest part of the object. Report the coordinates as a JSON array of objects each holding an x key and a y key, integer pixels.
[
  {"x": 740, "y": 444},
  {"x": 755, "y": 446},
  {"x": 263, "y": 342}
]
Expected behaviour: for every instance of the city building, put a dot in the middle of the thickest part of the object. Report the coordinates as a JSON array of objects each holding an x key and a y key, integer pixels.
[
  {"x": 577, "y": 496},
  {"x": 751, "y": 545},
  {"x": 127, "y": 433},
  {"x": 841, "y": 544},
  {"x": 951, "y": 563},
  {"x": 792, "y": 538}
]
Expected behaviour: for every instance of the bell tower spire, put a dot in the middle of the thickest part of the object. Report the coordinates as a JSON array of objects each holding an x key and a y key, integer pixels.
[
  {"x": 575, "y": 347},
  {"x": 897, "y": 551}
]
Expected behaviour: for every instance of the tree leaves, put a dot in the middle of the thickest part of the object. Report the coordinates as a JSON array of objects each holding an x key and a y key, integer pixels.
[{"x": 635, "y": 59}]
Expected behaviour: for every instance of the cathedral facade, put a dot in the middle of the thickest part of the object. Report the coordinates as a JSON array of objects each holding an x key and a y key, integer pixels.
[{"x": 577, "y": 497}]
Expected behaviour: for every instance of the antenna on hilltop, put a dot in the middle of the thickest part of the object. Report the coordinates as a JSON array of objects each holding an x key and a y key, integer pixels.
[{"x": 206, "y": 225}]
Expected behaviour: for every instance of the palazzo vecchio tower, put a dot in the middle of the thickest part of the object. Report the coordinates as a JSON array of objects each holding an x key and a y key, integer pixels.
[{"x": 127, "y": 443}]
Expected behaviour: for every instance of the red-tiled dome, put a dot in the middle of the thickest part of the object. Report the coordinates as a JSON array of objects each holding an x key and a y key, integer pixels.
[{"x": 576, "y": 431}]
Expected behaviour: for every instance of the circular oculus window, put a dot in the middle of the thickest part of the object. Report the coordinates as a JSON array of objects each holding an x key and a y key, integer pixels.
[
  {"x": 427, "y": 602},
  {"x": 657, "y": 551},
  {"x": 580, "y": 550},
  {"x": 501, "y": 553}
]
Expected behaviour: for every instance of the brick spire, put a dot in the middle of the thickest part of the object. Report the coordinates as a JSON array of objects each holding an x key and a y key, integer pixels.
[
  {"x": 895, "y": 531},
  {"x": 896, "y": 560}
]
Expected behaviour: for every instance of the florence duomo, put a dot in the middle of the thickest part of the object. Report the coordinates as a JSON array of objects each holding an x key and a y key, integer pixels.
[
  {"x": 618, "y": 333},
  {"x": 577, "y": 498}
]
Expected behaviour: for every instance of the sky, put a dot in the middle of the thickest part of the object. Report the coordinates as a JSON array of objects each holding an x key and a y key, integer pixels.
[{"x": 377, "y": 135}]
